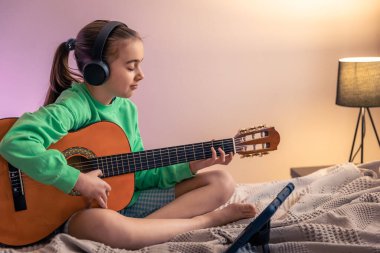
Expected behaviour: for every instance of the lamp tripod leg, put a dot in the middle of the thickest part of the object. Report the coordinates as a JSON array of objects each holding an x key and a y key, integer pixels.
[
  {"x": 362, "y": 135},
  {"x": 373, "y": 125},
  {"x": 356, "y": 131}
]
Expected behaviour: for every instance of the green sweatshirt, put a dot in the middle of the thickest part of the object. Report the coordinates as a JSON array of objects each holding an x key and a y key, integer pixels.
[{"x": 25, "y": 144}]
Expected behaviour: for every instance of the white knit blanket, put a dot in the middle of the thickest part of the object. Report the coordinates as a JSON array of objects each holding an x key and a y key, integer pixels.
[{"x": 336, "y": 209}]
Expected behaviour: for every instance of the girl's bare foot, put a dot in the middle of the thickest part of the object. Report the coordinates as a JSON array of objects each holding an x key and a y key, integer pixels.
[{"x": 231, "y": 213}]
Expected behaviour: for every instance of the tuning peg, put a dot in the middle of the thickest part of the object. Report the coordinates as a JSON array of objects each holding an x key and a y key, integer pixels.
[{"x": 242, "y": 130}]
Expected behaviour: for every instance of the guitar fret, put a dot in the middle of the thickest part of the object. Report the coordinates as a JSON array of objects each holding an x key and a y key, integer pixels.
[
  {"x": 169, "y": 155},
  {"x": 107, "y": 169},
  {"x": 122, "y": 162},
  {"x": 129, "y": 163},
  {"x": 137, "y": 160},
  {"x": 146, "y": 159},
  {"x": 106, "y": 172},
  {"x": 199, "y": 151},
  {"x": 165, "y": 156},
  {"x": 162, "y": 164},
  {"x": 119, "y": 167},
  {"x": 173, "y": 155},
  {"x": 114, "y": 166},
  {"x": 113, "y": 171},
  {"x": 154, "y": 161},
  {"x": 141, "y": 165},
  {"x": 133, "y": 163},
  {"x": 162, "y": 153},
  {"x": 185, "y": 153},
  {"x": 109, "y": 165}
]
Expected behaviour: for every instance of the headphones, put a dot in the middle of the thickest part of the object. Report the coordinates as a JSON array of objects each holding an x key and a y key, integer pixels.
[{"x": 96, "y": 72}]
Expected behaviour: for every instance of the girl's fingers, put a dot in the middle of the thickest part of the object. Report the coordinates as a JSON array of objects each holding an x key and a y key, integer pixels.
[
  {"x": 222, "y": 156},
  {"x": 213, "y": 152},
  {"x": 108, "y": 187},
  {"x": 229, "y": 158},
  {"x": 102, "y": 200}
]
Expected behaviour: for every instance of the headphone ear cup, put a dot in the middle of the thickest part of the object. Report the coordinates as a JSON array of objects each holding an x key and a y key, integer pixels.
[{"x": 96, "y": 72}]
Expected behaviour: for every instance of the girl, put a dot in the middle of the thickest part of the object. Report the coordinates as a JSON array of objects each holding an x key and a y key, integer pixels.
[{"x": 177, "y": 198}]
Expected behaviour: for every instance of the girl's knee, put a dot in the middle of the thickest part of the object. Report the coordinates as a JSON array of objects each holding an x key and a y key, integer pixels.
[
  {"x": 105, "y": 226},
  {"x": 222, "y": 177},
  {"x": 224, "y": 182},
  {"x": 87, "y": 224}
]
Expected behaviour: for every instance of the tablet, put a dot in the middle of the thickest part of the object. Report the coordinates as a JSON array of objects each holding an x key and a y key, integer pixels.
[{"x": 262, "y": 220}]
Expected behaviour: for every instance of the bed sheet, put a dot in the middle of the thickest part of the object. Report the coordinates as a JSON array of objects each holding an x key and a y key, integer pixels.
[{"x": 336, "y": 209}]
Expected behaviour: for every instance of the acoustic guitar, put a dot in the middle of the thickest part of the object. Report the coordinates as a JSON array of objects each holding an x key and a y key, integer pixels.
[{"x": 30, "y": 211}]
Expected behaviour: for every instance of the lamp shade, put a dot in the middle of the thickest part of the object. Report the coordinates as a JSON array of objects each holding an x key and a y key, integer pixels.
[{"x": 359, "y": 82}]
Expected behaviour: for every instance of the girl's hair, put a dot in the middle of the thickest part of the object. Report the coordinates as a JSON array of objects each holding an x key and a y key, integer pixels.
[{"x": 62, "y": 76}]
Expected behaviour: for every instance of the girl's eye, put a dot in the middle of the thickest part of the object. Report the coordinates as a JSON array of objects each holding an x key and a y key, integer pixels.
[{"x": 130, "y": 68}]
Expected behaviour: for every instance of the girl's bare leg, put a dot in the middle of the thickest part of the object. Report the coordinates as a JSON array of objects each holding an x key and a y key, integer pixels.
[
  {"x": 199, "y": 195},
  {"x": 113, "y": 229}
]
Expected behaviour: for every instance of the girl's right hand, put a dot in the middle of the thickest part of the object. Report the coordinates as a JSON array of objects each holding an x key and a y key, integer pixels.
[{"x": 90, "y": 186}]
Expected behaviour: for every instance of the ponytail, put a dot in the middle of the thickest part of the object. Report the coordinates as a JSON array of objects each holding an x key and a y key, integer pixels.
[{"x": 61, "y": 76}]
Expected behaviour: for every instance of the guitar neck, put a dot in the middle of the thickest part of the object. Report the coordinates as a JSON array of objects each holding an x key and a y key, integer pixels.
[{"x": 144, "y": 160}]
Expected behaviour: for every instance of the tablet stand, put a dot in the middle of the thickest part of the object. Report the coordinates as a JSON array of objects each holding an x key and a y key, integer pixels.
[{"x": 261, "y": 238}]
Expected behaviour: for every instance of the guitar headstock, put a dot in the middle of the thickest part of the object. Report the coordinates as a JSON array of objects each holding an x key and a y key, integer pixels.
[{"x": 256, "y": 141}]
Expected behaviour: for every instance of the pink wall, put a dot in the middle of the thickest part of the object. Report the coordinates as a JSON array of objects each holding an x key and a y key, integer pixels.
[{"x": 213, "y": 67}]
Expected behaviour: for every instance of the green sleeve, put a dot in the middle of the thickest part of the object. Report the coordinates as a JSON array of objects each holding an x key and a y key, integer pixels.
[
  {"x": 164, "y": 177},
  {"x": 25, "y": 146}
]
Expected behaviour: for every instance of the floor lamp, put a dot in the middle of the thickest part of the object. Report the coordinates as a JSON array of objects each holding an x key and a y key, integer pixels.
[{"x": 359, "y": 86}]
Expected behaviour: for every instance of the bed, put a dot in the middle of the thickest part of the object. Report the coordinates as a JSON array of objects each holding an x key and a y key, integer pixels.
[{"x": 335, "y": 209}]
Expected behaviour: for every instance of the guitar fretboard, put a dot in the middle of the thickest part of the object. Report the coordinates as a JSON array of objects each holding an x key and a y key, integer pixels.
[{"x": 155, "y": 158}]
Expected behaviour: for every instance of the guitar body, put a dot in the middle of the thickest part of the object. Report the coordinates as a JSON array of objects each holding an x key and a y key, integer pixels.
[{"x": 47, "y": 207}]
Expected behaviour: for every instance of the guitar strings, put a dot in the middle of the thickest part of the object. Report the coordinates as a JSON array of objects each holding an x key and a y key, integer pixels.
[
  {"x": 109, "y": 163},
  {"x": 179, "y": 150},
  {"x": 183, "y": 147}
]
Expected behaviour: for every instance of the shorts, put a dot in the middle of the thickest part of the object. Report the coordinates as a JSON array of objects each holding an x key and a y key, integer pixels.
[{"x": 147, "y": 202}]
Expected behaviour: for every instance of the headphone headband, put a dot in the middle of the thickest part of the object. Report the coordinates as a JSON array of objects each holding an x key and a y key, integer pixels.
[{"x": 101, "y": 39}]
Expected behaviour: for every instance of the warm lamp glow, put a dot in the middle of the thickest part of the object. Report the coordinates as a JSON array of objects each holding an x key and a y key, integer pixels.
[{"x": 360, "y": 59}]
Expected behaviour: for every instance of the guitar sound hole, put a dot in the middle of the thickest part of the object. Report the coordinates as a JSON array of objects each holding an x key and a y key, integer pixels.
[
  {"x": 79, "y": 158},
  {"x": 80, "y": 162}
]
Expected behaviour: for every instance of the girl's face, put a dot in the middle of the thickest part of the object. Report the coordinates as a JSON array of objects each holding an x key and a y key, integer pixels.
[{"x": 125, "y": 70}]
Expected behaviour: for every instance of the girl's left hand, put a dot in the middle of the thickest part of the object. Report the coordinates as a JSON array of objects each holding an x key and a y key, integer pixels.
[{"x": 222, "y": 159}]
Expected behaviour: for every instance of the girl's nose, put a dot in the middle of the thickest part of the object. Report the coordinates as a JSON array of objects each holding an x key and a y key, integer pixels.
[{"x": 140, "y": 75}]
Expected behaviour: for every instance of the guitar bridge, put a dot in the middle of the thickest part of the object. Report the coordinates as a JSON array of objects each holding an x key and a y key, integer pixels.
[{"x": 19, "y": 201}]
